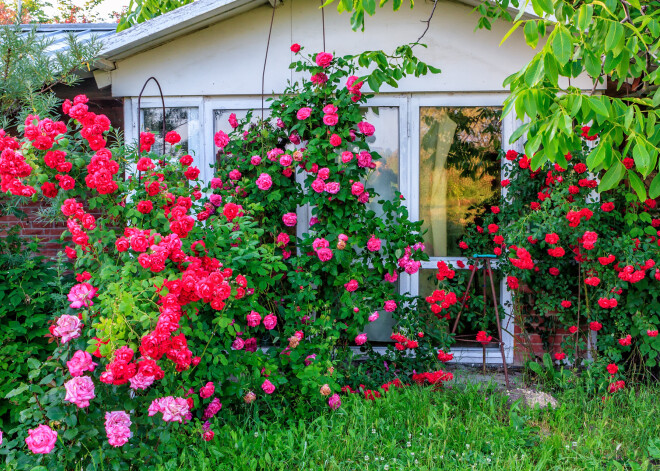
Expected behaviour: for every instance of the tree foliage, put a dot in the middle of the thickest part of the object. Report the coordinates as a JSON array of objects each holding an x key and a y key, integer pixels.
[{"x": 139, "y": 11}]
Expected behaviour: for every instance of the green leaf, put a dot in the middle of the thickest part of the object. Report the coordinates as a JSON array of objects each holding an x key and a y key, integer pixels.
[
  {"x": 654, "y": 189},
  {"x": 546, "y": 5},
  {"x": 511, "y": 31},
  {"x": 597, "y": 156},
  {"x": 598, "y": 106},
  {"x": 642, "y": 158},
  {"x": 637, "y": 185},
  {"x": 535, "y": 71},
  {"x": 584, "y": 17},
  {"x": 16, "y": 391},
  {"x": 612, "y": 177},
  {"x": 614, "y": 35},
  {"x": 562, "y": 45},
  {"x": 531, "y": 34}
]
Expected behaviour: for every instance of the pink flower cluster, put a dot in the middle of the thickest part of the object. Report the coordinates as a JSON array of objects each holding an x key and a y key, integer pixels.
[
  {"x": 118, "y": 428},
  {"x": 79, "y": 391},
  {"x": 174, "y": 409}
]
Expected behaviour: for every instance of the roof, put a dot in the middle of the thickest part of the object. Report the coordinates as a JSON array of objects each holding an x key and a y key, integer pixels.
[
  {"x": 58, "y": 34},
  {"x": 183, "y": 20}
]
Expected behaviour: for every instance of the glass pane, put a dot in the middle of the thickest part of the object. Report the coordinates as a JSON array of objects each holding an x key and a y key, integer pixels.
[
  {"x": 385, "y": 177},
  {"x": 459, "y": 171},
  {"x": 380, "y": 330},
  {"x": 185, "y": 121}
]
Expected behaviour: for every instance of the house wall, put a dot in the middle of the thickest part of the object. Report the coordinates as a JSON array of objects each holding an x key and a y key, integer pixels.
[{"x": 227, "y": 58}]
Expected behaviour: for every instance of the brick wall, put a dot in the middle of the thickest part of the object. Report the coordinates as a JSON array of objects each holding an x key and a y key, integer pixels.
[{"x": 32, "y": 226}]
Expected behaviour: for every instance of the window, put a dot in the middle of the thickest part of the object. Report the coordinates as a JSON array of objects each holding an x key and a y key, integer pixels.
[
  {"x": 385, "y": 141},
  {"x": 183, "y": 120},
  {"x": 459, "y": 171}
]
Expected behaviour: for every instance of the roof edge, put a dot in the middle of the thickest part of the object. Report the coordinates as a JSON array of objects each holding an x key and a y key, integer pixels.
[{"x": 178, "y": 22}]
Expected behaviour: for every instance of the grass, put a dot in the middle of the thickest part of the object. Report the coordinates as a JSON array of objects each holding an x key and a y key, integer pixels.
[{"x": 454, "y": 429}]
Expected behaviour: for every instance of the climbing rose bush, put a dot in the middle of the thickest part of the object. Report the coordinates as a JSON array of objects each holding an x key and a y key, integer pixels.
[
  {"x": 191, "y": 299},
  {"x": 581, "y": 265}
]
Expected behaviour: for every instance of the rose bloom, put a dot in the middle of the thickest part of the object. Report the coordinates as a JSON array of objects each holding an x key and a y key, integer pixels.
[
  {"x": 595, "y": 326},
  {"x": 117, "y": 428},
  {"x": 250, "y": 397},
  {"x": 390, "y": 305},
  {"x": 41, "y": 440},
  {"x": 335, "y": 140},
  {"x": 612, "y": 369},
  {"x": 289, "y": 219},
  {"x": 268, "y": 387},
  {"x": 303, "y": 113},
  {"x": 373, "y": 244},
  {"x": 80, "y": 362},
  {"x": 626, "y": 341},
  {"x": 560, "y": 356},
  {"x": 253, "y": 319},
  {"x": 207, "y": 390},
  {"x": 652, "y": 333},
  {"x": 346, "y": 156},
  {"x": 366, "y": 128},
  {"x": 286, "y": 160},
  {"x": 361, "y": 339},
  {"x": 332, "y": 187},
  {"x": 81, "y": 295},
  {"x": 351, "y": 286},
  {"x": 264, "y": 182},
  {"x": 79, "y": 391},
  {"x": 295, "y": 48},
  {"x": 172, "y": 137},
  {"x": 221, "y": 139},
  {"x": 323, "y": 59},
  {"x": 174, "y": 409},
  {"x": 357, "y": 189},
  {"x": 373, "y": 317},
  {"x": 573, "y": 329},
  {"x": 67, "y": 327},
  {"x": 145, "y": 207},
  {"x": 334, "y": 402},
  {"x": 330, "y": 119},
  {"x": 270, "y": 321},
  {"x": 325, "y": 390},
  {"x": 324, "y": 254},
  {"x": 255, "y": 160}
]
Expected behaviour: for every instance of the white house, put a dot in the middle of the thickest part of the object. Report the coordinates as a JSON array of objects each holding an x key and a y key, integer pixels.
[{"x": 209, "y": 60}]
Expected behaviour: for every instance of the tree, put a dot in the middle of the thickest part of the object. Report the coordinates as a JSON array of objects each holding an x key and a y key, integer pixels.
[
  {"x": 139, "y": 11},
  {"x": 614, "y": 43}
]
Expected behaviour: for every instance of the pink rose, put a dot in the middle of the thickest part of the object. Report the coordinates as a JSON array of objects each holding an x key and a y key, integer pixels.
[
  {"x": 264, "y": 182},
  {"x": 391, "y": 277},
  {"x": 374, "y": 316},
  {"x": 235, "y": 175},
  {"x": 79, "y": 391},
  {"x": 364, "y": 159},
  {"x": 81, "y": 295},
  {"x": 238, "y": 344},
  {"x": 335, "y": 140},
  {"x": 67, "y": 327},
  {"x": 303, "y": 113},
  {"x": 268, "y": 387},
  {"x": 289, "y": 219},
  {"x": 390, "y": 305},
  {"x": 366, "y": 128},
  {"x": 41, "y": 440},
  {"x": 216, "y": 183},
  {"x": 332, "y": 188},
  {"x": 318, "y": 185},
  {"x": 324, "y": 254},
  {"x": 330, "y": 109},
  {"x": 351, "y": 285},
  {"x": 270, "y": 321},
  {"x": 221, "y": 139},
  {"x": 174, "y": 409},
  {"x": 357, "y": 188},
  {"x": 250, "y": 397},
  {"x": 334, "y": 402},
  {"x": 330, "y": 119},
  {"x": 346, "y": 157},
  {"x": 207, "y": 390},
  {"x": 213, "y": 408},
  {"x": 118, "y": 427},
  {"x": 286, "y": 160},
  {"x": 80, "y": 362},
  {"x": 361, "y": 339},
  {"x": 323, "y": 59},
  {"x": 320, "y": 243},
  {"x": 253, "y": 319},
  {"x": 141, "y": 381},
  {"x": 233, "y": 122},
  {"x": 255, "y": 160}
]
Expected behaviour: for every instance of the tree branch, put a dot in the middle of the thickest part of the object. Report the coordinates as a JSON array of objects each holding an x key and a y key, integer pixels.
[{"x": 428, "y": 22}]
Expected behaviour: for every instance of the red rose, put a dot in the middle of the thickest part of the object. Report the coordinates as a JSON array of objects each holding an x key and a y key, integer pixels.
[
  {"x": 295, "y": 48},
  {"x": 145, "y": 207},
  {"x": 186, "y": 160},
  {"x": 172, "y": 137},
  {"x": 49, "y": 190},
  {"x": 192, "y": 173},
  {"x": 230, "y": 211}
]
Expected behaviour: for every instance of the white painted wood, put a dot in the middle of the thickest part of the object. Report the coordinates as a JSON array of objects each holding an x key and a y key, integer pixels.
[{"x": 226, "y": 57}]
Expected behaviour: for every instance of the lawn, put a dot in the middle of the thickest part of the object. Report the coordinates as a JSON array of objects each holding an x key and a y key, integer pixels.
[{"x": 467, "y": 428}]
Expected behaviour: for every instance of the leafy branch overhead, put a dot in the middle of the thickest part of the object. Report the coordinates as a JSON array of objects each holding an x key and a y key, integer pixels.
[{"x": 611, "y": 44}]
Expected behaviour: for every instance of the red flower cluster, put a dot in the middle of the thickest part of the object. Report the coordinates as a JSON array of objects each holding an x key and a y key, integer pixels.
[
  {"x": 441, "y": 301},
  {"x": 93, "y": 125},
  {"x": 483, "y": 337},
  {"x": 445, "y": 357},
  {"x": 402, "y": 343},
  {"x": 434, "y": 377},
  {"x": 77, "y": 217},
  {"x": 575, "y": 217},
  {"x": 524, "y": 260},
  {"x": 444, "y": 272}
]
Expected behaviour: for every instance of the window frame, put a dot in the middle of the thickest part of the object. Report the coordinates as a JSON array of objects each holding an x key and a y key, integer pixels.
[{"x": 509, "y": 124}]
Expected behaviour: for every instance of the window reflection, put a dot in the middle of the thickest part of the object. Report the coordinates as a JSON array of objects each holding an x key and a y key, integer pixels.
[
  {"x": 385, "y": 141},
  {"x": 184, "y": 121},
  {"x": 459, "y": 171}
]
